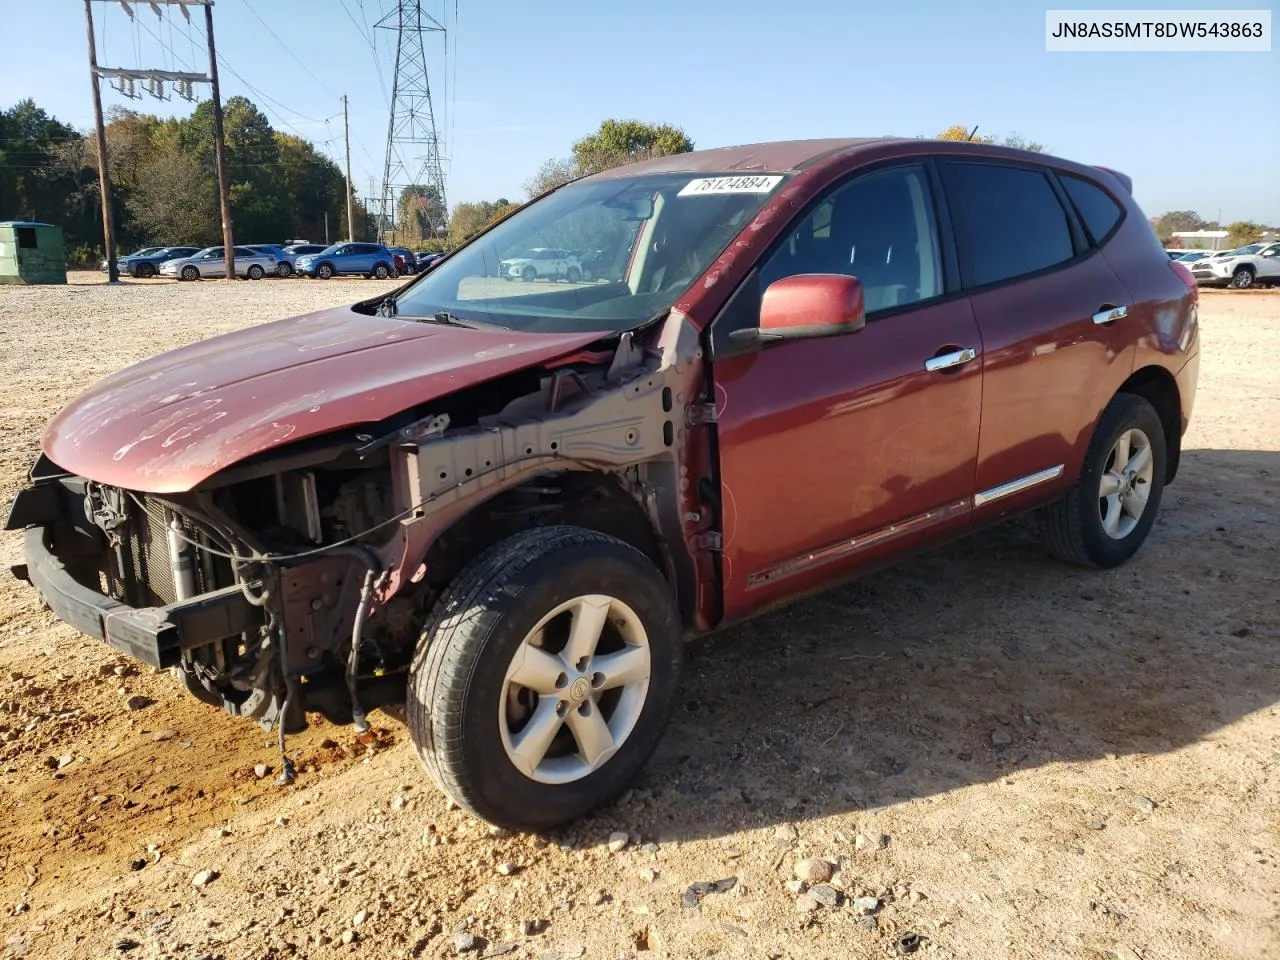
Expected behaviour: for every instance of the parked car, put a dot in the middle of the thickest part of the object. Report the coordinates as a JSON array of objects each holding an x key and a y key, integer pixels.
[
  {"x": 1193, "y": 256},
  {"x": 302, "y": 249},
  {"x": 122, "y": 261},
  {"x": 426, "y": 258},
  {"x": 404, "y": 260},
  {"x": 284, "y": 256},
  {"x": 542, "y": 263},
  {"x": 364, "y": 259},
  {"x": 211, "y": 262},
  {"x": 506, "y": 511},
  {"x": 144, "y": 264},
  {"x": 1257, "y": 263}
]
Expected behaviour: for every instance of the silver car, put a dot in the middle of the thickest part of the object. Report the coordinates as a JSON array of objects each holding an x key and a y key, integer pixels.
[{"x": 211, "y": 262}]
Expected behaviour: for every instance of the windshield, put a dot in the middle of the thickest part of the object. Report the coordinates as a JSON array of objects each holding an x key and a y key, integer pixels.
[
  {"x": 145, "y": 252},
  {"x": 333, "y": 248},
  {"x": 595, "y": 255}
]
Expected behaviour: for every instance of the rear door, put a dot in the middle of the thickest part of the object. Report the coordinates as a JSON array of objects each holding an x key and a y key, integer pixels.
[
  {"x": 1057, "y": 327},
  {"x": 835, "y": 453}
]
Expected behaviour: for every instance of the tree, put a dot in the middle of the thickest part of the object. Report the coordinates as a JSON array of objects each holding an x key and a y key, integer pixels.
[
  {"x": 552, "y": 174},
  {"x": 419, "y": 214},
  {"x": 1243, "y": 232},
  {"x": 1013, "y": 140},
  {"x": 1177, "y": 221},
  {"x": 616, "y": 143},
  {"x": 468, "y": 219}
]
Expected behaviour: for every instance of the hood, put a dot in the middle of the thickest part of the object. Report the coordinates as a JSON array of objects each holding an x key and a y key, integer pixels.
[{"x": 169, "y": 423}]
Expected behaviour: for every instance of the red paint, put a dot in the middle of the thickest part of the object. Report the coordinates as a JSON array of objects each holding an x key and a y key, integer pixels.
[
  {"x": 823, "y": 440},
  {"x": 813, "y": 301},
  {"x": 167, "y": 424}
]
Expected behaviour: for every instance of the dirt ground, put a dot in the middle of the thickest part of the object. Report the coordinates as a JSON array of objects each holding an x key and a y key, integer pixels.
[{"x": 1018, "y": 759}]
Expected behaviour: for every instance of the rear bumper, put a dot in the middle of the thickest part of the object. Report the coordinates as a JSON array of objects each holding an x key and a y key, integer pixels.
[{"x": 154, "y": 635}]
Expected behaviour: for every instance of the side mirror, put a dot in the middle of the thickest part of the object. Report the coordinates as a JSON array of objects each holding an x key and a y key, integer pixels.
[{"x": 808, "y": 305}]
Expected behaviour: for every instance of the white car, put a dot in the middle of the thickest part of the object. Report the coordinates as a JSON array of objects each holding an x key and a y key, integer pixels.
[
  {"x": 541, "y": 263},
  {"x": 211, "y": 262},
  {"x": 1258, "y": 263}
]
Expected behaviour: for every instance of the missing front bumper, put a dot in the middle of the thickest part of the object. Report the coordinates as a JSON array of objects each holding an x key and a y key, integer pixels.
[{"x": 154, "y": 635}]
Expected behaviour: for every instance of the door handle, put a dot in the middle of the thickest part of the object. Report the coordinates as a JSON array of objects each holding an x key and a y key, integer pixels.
[
  {"x": 954, "y": 359},
  {"x": 1108, "y": 314}
]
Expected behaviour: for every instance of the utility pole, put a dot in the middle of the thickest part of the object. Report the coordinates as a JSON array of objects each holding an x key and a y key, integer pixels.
[
  {"x": 220, "y": 149},
  {"x": 104, "y": 178},
  {"x": 351, "y": 190}
]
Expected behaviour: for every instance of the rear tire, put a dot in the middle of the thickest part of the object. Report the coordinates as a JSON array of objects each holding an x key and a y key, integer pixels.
[
  {"x": 284, "y": 270},
  {"x": 145, "y": 271},
  {"x": 255, "y": 272},
  {"x": 1095, "y": 524},
  {"x": 381, "y": 272},
  {"x": 471, "y": 715},
  {"x": 574, "y": 275}
]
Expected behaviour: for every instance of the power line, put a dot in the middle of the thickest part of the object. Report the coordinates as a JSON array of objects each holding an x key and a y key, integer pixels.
[{"x": 267, "y": 26}]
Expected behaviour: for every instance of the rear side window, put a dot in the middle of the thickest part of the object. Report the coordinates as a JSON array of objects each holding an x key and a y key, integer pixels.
[
  {"x": 1098, "y": 211},
  {"x": 1008, "y": 221}
]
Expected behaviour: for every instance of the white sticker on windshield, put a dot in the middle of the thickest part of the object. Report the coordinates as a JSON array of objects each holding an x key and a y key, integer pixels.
[{"x": 752, "y": 184}]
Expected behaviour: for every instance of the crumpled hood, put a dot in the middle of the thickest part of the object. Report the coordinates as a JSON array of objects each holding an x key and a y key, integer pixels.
[{"x": 167, "y": 424}]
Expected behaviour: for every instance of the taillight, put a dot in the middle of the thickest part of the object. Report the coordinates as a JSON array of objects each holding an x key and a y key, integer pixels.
[{"x": 1185, "y": 275}]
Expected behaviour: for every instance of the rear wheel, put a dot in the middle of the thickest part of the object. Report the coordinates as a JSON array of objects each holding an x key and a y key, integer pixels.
[
  {"x": 545, "y": 676},
  {"x": 574, "y": 275},
  {"x": 144, "y": 271},
  {"x": 256, "y": 272},
  {"x": 1107, "y": 515},
  {"x": 284, "y": 270},
  {"x": 381, "y": 271},
  {"x": 190, "y": 273},
  {"x": 1242, "y": 279}
]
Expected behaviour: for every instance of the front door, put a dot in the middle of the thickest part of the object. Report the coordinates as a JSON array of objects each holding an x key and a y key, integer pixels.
[{"x": 837, "y": 452}]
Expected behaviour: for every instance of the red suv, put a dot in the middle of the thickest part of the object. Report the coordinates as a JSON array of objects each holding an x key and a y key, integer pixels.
[{"x": 506, "y": 507}]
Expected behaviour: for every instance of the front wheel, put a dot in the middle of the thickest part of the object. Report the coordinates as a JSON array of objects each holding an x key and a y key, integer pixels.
[
  {"x": 1242, "y": 279},
  {"x": 545, "y": 676},
  {"x": 529, "y": 274},
  {"x": 1107, "y": 515},
  {"x": 145, "y": 271},
  {"x": 574, "y": 275},
  {"x": 381, "y": 272},
  {"x": 324, "y": 271},
  {"x": 190, "y": 273}
]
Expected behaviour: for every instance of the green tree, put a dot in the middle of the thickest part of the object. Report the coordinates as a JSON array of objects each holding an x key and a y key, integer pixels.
[
  {"x": 1243, "y": 232},
  {"x": 619, "y": 142}
]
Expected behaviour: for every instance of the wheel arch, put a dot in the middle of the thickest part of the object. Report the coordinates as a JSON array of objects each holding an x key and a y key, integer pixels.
[
  {"x": 1157, "y": 386},
  {"x": 592, "y": 500}
]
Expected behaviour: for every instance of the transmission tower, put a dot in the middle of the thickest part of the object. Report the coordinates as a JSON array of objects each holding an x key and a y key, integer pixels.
[{"x": 412, "y": 130}]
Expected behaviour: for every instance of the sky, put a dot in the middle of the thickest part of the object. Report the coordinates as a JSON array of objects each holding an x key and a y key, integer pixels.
[{"x": 522, "y": 79}]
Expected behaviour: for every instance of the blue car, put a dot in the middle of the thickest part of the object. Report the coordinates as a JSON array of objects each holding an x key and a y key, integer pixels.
[
  {"x": 365, "y": 259},
  {"x": 146, "y": 262}
]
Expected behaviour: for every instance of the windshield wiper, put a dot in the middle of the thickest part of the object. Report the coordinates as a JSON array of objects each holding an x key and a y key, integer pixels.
[{"x": 387, "y": 308}]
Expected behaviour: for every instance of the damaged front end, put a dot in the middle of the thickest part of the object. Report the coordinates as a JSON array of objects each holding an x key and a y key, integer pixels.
[{"x": 300, "y": 578}]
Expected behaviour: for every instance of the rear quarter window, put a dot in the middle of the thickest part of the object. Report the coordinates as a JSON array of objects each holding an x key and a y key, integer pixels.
[
  {"x": 1099, "y": 212},
  {"x": 1008, "y": 221}
]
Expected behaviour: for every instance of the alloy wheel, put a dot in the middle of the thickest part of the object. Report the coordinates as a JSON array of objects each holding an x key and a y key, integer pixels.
[{"x": 1125, "y": 484}]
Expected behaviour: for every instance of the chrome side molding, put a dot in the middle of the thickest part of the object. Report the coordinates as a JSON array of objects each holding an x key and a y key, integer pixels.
[{"x": 1017, "y": 486}]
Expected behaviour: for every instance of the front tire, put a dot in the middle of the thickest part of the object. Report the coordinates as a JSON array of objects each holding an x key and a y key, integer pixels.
[
  {"x": 190, "y": 273},
  {"x": 545, "y": 676},
  {"x": 574, "y": 275},
  {"x": 144, "y": 271},
  {"x": 529, "y": 274},
  {"x": 1107, "y": 515},
  {"x": 324, "y": 271},
  {"x": 1242, "y": 279}
]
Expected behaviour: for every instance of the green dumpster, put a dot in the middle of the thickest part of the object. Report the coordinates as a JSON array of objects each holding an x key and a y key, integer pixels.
[{"x": 31, "y": 253}]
